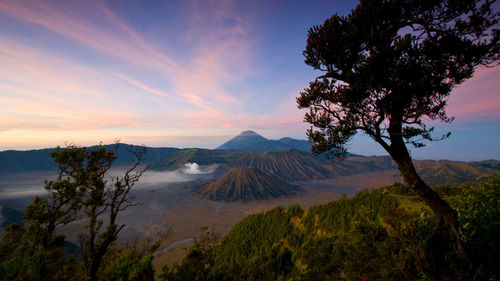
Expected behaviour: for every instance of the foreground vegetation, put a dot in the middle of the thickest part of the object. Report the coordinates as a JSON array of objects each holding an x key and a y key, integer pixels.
[
  {"x": 84, "y": 191},
  {"x": 382, "y": 234}
]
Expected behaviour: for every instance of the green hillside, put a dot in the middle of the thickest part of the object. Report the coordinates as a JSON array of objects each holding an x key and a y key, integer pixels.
[
  {"x": 375, "y": 235},
  {"x": 246, "y": 184}
]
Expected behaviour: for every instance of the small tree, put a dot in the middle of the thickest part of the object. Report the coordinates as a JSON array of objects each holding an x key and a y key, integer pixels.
[
  {"x": 36, "y": 251},
  {"x": 82, "y": 189},
  {"x": 388, "y": 67},
  {"x": 100, "y": 198}
]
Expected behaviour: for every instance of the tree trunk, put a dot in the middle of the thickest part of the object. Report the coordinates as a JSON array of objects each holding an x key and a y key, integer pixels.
[
  {"x": 94, "y": 268},
  {"x": 446, "y": 232}
]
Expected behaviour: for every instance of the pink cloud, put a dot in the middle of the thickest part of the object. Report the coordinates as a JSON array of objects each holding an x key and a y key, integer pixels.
[
  {"x": 197, "y": 78},
  {"x": 46, "y": 91},
  {"x": 144, "y": 87},
  {"x": 480, "y": 94}
]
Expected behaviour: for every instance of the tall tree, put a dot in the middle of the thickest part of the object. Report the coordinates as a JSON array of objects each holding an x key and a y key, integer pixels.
[{"x": 387, "y": 68}]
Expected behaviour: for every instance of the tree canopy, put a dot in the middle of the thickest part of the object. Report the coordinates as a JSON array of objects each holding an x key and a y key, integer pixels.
[
  {"x": 393, "y": 64},
  {"x": 388, "y": 68}
]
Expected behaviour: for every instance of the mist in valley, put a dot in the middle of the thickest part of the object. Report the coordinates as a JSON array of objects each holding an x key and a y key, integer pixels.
[
  {"x": 32, "y": 183},
  {"x": 165, "y": 200}
]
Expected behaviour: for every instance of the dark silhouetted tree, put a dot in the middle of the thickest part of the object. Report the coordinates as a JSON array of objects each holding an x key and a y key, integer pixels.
[
  {"x": 84, "y": 189},
  {"x": 387, "y": 68},
  {"x": 100, "y": 198}
]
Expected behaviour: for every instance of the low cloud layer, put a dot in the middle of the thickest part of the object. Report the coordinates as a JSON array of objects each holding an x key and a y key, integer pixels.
[
  {"x": 32, "y": 184},
  {"x": 189, "y": 172},
  {"x": 157, "y": 177}
]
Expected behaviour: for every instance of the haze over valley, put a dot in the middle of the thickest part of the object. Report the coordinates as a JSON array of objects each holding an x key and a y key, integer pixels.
[{"x": 186, "y": 189}]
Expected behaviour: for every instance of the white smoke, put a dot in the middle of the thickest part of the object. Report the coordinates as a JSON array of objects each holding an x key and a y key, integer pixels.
[{"x": 192, "y": 168}]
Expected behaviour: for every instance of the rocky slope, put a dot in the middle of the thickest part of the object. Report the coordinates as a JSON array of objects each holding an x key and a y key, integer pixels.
[{"x": 246, "y": 184}]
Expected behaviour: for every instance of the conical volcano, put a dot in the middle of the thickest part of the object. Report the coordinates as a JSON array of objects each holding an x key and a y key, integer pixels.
[
  {"x": 250, "y": 140},
  {"x": 246, "y": 184}
]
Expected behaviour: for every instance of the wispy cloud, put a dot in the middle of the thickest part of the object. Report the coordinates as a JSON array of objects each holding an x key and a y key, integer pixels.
[
  {"x": 43, "y": 88},
  {"x": 144, "y": 87},
  {"x": 478, "y": 96},
  {"x": 103, "y": 31},
  {"x": 87, "y": 71}
]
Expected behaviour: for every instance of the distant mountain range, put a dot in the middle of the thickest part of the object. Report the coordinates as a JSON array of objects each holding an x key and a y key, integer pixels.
[
  {"x": 250, "y": 140},
  {"x": 246, "y": 184},
  {"x": 289, "y": 160},
  {"x": 287, "y": 165},
  {"x": 293, "y": 165},
  {"x": 284, "y": 164},
  {"x": 14, "y": 161}
]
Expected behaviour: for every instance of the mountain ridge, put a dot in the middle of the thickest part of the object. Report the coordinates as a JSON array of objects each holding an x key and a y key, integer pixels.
[
  {"x": 287, "y": 164},
  {"x": 16, "y": 161},
  {"x": 293, "y": 165}
]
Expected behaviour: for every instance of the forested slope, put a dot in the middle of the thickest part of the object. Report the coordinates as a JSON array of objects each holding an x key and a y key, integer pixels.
[{"x": 375, "y": 235}]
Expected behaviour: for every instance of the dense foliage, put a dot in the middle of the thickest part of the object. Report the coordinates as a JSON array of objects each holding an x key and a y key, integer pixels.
[{"x": 376, "y": 235}]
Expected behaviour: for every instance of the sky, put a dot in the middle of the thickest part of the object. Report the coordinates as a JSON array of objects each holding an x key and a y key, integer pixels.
[{"x": 186, "y": 74}]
